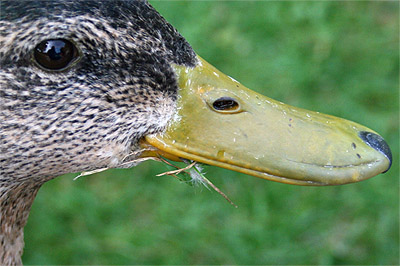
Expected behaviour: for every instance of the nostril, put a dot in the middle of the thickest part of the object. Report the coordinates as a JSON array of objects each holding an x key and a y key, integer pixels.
[{"x": 378, "y": 143}]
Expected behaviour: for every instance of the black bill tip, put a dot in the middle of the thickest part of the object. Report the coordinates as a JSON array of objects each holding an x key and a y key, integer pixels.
[{"x": 378, "y": 143}]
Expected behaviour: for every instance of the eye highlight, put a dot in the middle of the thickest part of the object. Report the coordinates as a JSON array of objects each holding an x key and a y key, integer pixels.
[
  {"x": 226, "y": 104},
  {"x": 55, "y": 54}
]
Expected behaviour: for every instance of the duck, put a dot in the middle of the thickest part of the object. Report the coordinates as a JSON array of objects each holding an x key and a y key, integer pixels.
[{"x": 89, "y": 85}]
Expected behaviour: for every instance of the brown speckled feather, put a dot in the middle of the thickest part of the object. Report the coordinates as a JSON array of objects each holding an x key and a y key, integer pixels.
[{"x": 88, "y": 116}]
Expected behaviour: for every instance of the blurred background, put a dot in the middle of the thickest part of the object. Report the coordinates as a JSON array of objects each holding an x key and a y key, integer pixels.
[{"x": 340, "y": 58}]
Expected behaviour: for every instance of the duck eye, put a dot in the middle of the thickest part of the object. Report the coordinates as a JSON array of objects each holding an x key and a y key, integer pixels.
[
  {"x": 55, "y": 54},
  {"x": 226, "y": 104}
]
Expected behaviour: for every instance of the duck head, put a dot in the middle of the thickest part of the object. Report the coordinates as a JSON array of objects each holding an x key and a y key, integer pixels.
[
  {"x": 96, "y": 84},
  {"x": 87, "y": 84}
]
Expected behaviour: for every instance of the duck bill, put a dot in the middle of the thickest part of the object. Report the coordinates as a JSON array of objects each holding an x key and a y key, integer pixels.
[{"x": 220, "y": 122}]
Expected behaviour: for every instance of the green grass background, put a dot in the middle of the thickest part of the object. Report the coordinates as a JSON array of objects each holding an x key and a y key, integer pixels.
[{"x": 339, "y": 58}]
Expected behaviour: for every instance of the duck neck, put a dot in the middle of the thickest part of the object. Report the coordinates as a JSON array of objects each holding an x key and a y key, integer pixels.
[{"x": 15, "y": 203}]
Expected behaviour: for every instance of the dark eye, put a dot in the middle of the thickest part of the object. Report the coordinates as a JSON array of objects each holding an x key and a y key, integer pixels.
[
  {"x": 226, "y": 104},
  {"x": 55, "y": 54}
]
